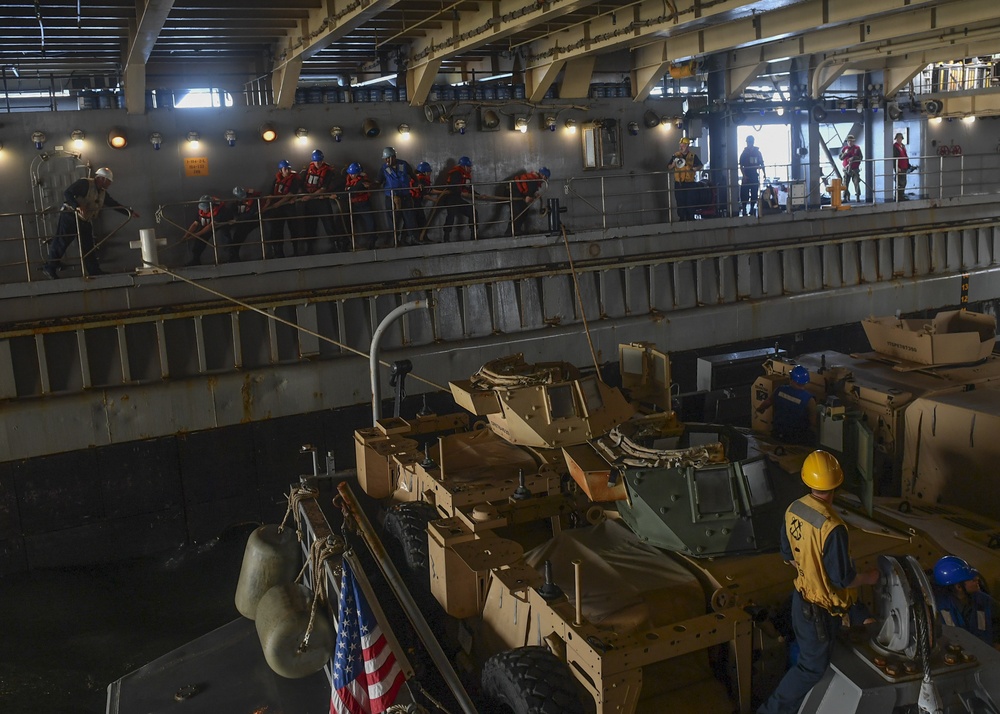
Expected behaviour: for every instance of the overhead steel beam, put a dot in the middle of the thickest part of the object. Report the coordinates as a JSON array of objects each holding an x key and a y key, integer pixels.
[
  {"x": 575, "y": 81},
  {"x": 491, "y": 22},
  {"x": 742, "y": 67},
  {"x": 150, "y": 16},
  {"x": 981, "y": 102},
  {"x": 922, "y": 51},
  {"x": 788, "y": 31},
  {"x": 324, "y": 26},
  {"x": 420, "y": 79},
  {"x": 649, "y": 63}
]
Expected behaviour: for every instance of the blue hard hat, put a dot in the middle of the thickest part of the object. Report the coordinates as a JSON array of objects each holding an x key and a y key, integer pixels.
[
  {"x": 544, "y": 172},
  {"x": 317, "y": 155},
  {"x": 205, "y": 203},
  {"x": 800, "y": 375},
  {"x": 354, "y": 168},
  {"x": 423, "y": 167},
  {"x": 465, "y": 161},
  {"x": 951, "y": 570},
  {"x": 284, "y": 164},
  {"x": 240, "y": 193}
]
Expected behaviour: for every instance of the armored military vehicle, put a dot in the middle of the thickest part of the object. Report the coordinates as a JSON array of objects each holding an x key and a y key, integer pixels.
[{"x": 593, "y": 553}]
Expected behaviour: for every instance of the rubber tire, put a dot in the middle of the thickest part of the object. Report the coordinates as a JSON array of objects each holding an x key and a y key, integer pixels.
[
  {"x": 530, "y": 680},
  {"x": 406, "y": 523}
]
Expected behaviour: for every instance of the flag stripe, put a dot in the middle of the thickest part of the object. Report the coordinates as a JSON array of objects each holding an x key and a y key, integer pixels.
[{"x": 366, "y": 676}]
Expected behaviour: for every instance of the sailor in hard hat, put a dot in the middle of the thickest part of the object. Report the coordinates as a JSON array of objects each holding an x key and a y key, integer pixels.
[
  {"x": 394, "y": 176},
  {"x": 795, "y": 409},
  {"x": 83, "y": 200},
  {"x": 960, "y": 601},
  {"x": 901, "y": 164},
  {"x": 214, "y": 224},
  {"x": 851, "y": 156},
  {"x": 685, "y": 163},
  {"x": 814, "y": 539}
]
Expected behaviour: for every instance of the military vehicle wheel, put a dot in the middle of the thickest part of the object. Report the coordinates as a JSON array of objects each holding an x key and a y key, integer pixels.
[
  {"x": 531, "y": 680},
  {"x": 406, "y": 523}
]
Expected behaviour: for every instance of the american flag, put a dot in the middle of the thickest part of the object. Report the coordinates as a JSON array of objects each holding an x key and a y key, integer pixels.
[{"x": 366, "y": 676}]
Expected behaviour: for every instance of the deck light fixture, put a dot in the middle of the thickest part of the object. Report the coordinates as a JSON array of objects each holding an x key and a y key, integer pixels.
[
  {"x": 156, "y": 139},
  {"x": 404, "y": 130},
  {"x": 77, "y": 138},
  {"x": 230, "y": 137},
  {"x": 38, "y": 138},
  {"x": 194, "y": 138},
  {"x": 268, "y": 133},
  {"x": 459, "y": 125},
  {"x": 570, "y": 125},
  {"x": 337, "y": 133},
  {"x": 550, "y": 122},
  {"x": 370, "y": 128},
  {"x": 117, "y": 138}
]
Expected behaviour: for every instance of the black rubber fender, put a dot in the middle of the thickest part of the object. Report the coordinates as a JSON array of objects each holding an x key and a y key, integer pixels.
[{"x": 530, "y": 680}]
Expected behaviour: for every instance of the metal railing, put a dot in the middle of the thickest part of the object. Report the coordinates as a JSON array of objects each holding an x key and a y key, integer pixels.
[{"x": 606, "y": 202}]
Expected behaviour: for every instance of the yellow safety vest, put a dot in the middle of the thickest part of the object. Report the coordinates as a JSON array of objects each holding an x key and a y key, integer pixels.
[
  {"x": 686, "y": 174},
  {"x": 808, "y": 523},
  {"x": 92, "y": 203}
]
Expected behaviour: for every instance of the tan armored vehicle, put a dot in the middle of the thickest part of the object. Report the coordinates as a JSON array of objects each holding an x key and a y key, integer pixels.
[
  {"x": 923, "y": 406},
  {"x": 595, "y": 554}
]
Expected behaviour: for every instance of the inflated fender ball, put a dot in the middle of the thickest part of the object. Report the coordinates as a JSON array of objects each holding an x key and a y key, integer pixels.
[
  {"x": 270, "y": 558},
  {"x": 282, "y": 619}
]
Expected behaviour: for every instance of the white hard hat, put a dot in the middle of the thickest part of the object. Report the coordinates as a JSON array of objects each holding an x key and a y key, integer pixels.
[{"x": 105, "y": 173}]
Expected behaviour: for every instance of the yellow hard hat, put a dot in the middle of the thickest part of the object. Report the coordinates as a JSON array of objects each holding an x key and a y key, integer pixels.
[
  {"x": 685, "y": 140},
  {"x": 821, "y": 471}
]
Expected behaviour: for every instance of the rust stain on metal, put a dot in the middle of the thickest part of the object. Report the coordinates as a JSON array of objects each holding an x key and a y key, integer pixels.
[{"x": 246, "y": 395}]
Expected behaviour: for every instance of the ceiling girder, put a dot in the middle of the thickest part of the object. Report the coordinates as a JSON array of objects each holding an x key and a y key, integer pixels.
[
  {"x": 142, "y": 37},
  {"x": 576, "y": 79},
  {"x": 324, "y": 26},
  {"x": 492, "y": 22},
  {"x": 649, "y": 63}
]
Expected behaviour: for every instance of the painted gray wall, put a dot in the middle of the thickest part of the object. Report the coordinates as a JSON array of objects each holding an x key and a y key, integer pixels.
[{"x": 146, "y": 178}]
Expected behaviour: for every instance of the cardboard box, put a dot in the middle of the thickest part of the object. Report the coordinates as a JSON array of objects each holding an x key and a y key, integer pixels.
[
  {"x": 763, "y": 389},
  {"x": 952, "y": 337}
]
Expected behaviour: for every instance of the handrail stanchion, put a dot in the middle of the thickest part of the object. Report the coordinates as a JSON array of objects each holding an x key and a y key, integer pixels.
[{"x": 24, "y": 243}]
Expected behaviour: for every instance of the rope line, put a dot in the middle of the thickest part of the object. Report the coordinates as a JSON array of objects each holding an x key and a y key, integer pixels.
[
  {"x": 265, "y": 313},
  {"x": 579, "y": 299}
]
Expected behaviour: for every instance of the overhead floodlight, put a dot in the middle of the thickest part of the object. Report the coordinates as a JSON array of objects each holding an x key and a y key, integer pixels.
[
  {"x": 933, "y": 106},
  {"x": 404, "y": 130},
  {"x": 117, "y": 138},
  {"x": 489, "y": 120},
  {"x": 194, "y": 139},
  {"x": 434, "y": 112},
  {"x": 369, "y": 127},
  {"x": 521, "y": 124},
  {"x": 893, "y": 111},
  {"x": 302, "y": 135},
  {"x": 77, "y": 138},
  {"x": 268, "y": 133},
  {"x": 570, "y": 125}
]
